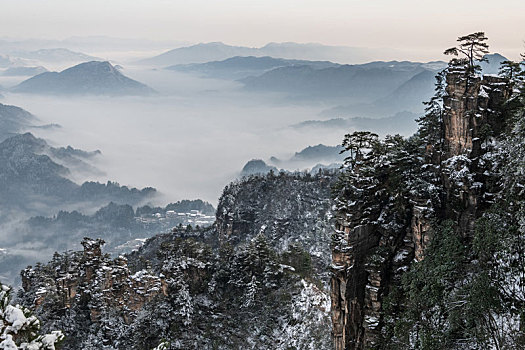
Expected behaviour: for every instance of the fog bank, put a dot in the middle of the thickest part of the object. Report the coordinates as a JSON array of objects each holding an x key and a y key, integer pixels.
[{"x": 188, "y": 142}]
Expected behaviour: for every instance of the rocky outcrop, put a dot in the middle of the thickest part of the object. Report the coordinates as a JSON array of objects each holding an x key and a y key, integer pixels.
[
  {"x": 368, "y": 257},
  {"x": 288, "y": 209},
  {"x": 92, "y": 279},
  {"x": 364, "y": 263},
  {"x": 471, "y": 121},
  {"x": 470, "y": 107}
]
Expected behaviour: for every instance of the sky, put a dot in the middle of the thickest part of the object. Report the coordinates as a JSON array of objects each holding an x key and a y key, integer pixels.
[{"x": 412, "y": 25}]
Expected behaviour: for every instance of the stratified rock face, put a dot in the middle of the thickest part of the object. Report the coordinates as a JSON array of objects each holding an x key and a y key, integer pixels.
[
  {"x": 364, "y": 262},
  {"x": 469, "y": 105},
  {"x": 369, "y": 257},
  {"x": 93, "y": 279},
  {"x": 470, "y": 119}
]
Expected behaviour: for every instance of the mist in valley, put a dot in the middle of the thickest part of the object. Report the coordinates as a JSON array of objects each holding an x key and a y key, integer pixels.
[{"x": 188, "y": 141}]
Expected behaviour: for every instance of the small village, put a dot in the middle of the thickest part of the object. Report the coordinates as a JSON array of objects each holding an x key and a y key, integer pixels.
[{"x": 171, "y": 218}]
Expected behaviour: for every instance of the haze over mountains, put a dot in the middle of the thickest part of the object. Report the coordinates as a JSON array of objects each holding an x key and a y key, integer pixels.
[
  {"x": 493, "y": 63},
  {"x": 402, "y": 123},
  {"x": 44, "y": 208},
  {"x": 93, "y": 43},
  {"x": 309, "y": 160},
  {"x": 348, "y": 81},
  {"x": 244, "y": 66},
  {"x": 23, "y": 71},
  {"x": 53, "y": 58},
  {"x": 216, "y": 51},
  {"x": 55, "y": 55},
  {"x": 180, "y": 175},
  {"x": 37, "y": 177}
]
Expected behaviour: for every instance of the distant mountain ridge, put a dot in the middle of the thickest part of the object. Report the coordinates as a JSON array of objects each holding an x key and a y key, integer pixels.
[
  {"x": 311, "y": 158},
  {"x": 348, "y": 84},
  {"x": 312, "y": 155},
  {"x": 216, "y": 51},
  {"x": 403, "y": 123},
  {"x": 89, "y": 78},
  {"x": 55, "y": 55},
  {"x": 257, "y": 166},
  {"x": 410, "y": 95},
  {"x": 319, "y": 153},
  {"x": 243, "y": 66},
  {"x": 493, "y": 63}
]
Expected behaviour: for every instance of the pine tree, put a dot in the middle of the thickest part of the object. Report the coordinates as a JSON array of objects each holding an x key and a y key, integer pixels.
[
  {"x": 251, "y": 292},
  {"x": 431, "y": 128},
  {"x": 357, "y": 143},
  {"x": 19, "y": 328},
  {"x": 511, "y": 70},
  {"x": 473, "y": 48}
]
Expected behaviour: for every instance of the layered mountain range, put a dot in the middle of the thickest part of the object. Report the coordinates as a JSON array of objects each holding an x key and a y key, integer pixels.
[{"x": 239, "y": 67}]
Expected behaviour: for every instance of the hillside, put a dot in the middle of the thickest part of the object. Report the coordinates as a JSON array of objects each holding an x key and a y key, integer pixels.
[
  {"x": 35, "y": 179},
  {"x": 90, "y": 78},
  {"x": 34, "y": 173},
  {"x": 257, "y": 166},
  {"x": 411, "y": 93},
  {"x": 492, "y": 63},
  {"x": 203, "y": 288},
  {"x": 14, "y": 120}
]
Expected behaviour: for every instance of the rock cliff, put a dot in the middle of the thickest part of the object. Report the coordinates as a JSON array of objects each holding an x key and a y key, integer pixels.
[
  {"x": 380, "y": 230},
  {"x": 91, "y": 278}
]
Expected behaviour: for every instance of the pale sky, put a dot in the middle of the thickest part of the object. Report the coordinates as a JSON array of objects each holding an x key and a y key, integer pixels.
[{"x": 401, "y": 24}]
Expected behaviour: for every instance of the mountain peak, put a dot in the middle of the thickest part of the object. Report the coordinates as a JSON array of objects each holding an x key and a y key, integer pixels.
[
  {"x": 495, "y": 56},
  {"x": 99, "y": 67},
  {"x": 493, "y": 63},
  {"x": 88, "y": 78}
]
